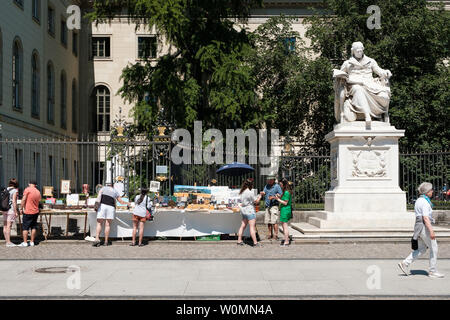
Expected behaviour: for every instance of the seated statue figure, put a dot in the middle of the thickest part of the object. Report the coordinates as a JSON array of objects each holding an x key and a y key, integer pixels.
[{"x": 357, "y": 94}]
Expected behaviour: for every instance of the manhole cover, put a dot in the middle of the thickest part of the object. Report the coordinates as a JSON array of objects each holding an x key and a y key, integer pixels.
[{"x": 54, "y": 270}]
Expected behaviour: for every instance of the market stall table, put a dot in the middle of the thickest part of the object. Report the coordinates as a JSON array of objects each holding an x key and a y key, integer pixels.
[
  {"x": 47, "y": 213},
  {"x": 175, "y": 223}
]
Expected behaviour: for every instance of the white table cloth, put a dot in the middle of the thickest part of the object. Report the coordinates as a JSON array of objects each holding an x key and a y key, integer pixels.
[{"x": 174, "y": 223}]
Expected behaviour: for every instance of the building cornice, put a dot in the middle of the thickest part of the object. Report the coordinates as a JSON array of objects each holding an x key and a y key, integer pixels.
[{"x": 34, "y": 128}]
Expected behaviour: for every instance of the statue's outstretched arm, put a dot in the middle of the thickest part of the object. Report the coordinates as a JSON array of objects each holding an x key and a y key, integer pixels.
[{"x": 382, "y": 73}]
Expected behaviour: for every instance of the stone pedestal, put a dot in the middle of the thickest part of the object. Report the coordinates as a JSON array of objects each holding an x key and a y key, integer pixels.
[{"x": 365, "y": 192}]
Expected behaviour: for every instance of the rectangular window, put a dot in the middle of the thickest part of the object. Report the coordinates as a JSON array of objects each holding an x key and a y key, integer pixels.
[
  {"x": 19, "y": 3},
  {"x": 289, "y": 44},
  {"x": 64, "y": 33},
  {"x": 16, "y": 77},
  {"x": 50, "y": 95},
  {"x": 74, "y": 108},
  {"x": 34, "y": 88},
  {"x": 101, "y": 47},
  {"x": 36, "y": 9},
  {"x": 147, "y": 47},
  {"x": 51, "y": 21},
  {"x": 75, "y": 43},
  {"x": 63, "y": 98}
]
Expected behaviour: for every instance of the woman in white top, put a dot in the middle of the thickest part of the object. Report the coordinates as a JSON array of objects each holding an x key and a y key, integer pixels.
[
  {"x": 142, "y": 204},
  {"x": 423, "y": 232},
  {"x": 248, "y": 213},
  {"x": 10, "y": 216}
]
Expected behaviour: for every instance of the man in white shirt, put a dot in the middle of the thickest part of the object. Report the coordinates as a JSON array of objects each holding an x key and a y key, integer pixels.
[
  {"x": 423, "y": 232},
  {"x": 107, "y": 197}
]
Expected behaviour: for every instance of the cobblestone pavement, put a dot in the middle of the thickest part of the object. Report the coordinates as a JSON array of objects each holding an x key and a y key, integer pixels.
[{"x": 214, "y": 250}]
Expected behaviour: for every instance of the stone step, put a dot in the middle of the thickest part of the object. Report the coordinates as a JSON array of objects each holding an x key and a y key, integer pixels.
[
  {"x": 305, "y": 228},
  {"x": 362, "y": 223},
  {"x": 308, "y": 231}
]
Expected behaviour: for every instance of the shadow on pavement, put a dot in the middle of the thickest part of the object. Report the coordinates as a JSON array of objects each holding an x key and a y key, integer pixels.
[{"x": 419, "y": 272}]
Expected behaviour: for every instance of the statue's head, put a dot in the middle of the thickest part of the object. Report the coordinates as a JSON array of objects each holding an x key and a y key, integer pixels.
[{"x": 357, "y": 49}]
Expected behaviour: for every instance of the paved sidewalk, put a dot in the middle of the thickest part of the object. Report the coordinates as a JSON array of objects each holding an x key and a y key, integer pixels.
[{"x": 174, "y": 279}]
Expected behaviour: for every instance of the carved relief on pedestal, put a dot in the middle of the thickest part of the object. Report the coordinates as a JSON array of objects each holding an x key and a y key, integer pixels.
[{"x": 368, "y": 163}]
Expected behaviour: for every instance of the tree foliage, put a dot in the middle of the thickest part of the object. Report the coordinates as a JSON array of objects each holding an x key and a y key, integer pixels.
[{"x": 290, "y": 84}]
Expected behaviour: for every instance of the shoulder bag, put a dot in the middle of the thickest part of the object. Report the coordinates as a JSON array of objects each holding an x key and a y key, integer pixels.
[{"x": 148, "y": 214}]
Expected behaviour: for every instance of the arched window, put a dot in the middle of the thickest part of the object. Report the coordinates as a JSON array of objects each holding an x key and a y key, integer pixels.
[
  {"x": 74, "y": 106},
  {"x": 17, "y": 74},
  {"x": 63, "y": 98},
  {"x": 50, "y": 93},
  {"x": 35, "y": 85},
  {"x": 102, "y": 105}
]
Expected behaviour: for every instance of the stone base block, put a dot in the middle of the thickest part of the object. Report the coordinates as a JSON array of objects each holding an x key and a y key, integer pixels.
[
  {"x": 366, "y": 199},
  {"x": 364, "y": 220}
]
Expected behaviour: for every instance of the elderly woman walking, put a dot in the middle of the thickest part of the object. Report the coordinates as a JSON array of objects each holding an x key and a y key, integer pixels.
[{"x": 424, "y": 236}]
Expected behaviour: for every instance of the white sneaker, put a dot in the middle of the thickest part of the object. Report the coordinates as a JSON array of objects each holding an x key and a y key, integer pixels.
[
  {"x": 31, "y": 244},
  {"x": 403, "y": 267},
  {"x": 10, "y": 244},
  {"x": 435, "y": 274},
  {"x": 23, "y": 244}
]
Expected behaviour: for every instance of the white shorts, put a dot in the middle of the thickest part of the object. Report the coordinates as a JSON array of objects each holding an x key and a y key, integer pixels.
[{"x": 106, "y": 212}]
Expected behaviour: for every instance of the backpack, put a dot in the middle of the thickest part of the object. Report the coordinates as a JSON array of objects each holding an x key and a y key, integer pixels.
[{"x": 5, "y": 204}]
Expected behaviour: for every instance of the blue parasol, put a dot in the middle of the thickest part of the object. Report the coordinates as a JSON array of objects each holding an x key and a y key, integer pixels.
[{"x": 235, "y": 169}]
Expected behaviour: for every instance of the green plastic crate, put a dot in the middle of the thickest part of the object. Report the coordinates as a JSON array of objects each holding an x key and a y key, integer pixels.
[{"x": 213, "y": 237}]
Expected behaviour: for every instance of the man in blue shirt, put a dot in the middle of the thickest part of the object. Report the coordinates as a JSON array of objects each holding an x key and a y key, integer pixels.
[{"x": 272, "y": 214}]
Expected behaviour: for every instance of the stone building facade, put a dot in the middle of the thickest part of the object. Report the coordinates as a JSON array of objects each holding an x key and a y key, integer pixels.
[{"x": 39, "y": 87}]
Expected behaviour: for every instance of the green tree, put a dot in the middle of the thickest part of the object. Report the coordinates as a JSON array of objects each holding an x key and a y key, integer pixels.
[
  {"x": 290, "y": 85},
  {"x": 413, "y": 43},
  {"x": 204, "y": 76}
]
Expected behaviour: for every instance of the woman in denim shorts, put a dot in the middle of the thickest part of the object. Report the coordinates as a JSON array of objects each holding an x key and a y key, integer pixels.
[{"x": 248, "y": 213}]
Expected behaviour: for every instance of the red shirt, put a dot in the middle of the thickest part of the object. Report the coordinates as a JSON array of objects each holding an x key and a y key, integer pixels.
[{"x": 33, "y": 198}]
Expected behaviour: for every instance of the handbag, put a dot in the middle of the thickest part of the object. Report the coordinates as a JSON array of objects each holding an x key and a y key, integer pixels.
[
  {"x": 148, "y": 213},
  {"x": 96, "y": 206},
  {"x": 414, "y": 244}
]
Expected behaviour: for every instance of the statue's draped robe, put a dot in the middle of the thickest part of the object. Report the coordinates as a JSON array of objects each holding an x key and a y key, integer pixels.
[{"x": 373, "y": 96}]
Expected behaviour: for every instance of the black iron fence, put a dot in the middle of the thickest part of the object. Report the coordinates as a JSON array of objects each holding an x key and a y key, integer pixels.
[
  {"x": 417, "y": 167},
  {"x": 136, "y": 163},
  {"x": 86, "y": 161}
]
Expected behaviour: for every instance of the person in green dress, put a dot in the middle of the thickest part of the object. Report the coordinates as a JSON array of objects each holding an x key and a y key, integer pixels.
[{"x": 285, "y": 209}]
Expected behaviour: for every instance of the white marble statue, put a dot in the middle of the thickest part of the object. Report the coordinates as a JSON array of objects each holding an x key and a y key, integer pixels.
[{"x": 358, "y": 95}]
